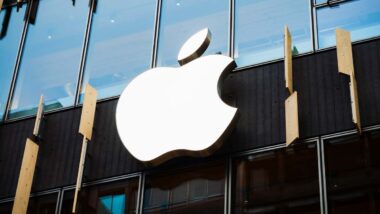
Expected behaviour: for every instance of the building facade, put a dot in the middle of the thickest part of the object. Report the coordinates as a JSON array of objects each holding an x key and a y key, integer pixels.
[{"x": 55, "y": 47}]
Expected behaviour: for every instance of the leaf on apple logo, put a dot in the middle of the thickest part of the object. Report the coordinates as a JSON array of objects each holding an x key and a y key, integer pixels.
[{"x": 195, "y": 46}]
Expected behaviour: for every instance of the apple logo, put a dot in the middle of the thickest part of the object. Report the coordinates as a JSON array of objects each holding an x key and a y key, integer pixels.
[{"x": 169, "y": 112}]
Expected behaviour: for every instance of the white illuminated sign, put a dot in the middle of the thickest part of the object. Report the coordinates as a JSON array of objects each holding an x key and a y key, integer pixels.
[{"x": 168, "y": 112}]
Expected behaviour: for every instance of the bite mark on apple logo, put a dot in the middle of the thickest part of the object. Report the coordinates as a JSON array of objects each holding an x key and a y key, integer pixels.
[{"x": 169, "y": 112}]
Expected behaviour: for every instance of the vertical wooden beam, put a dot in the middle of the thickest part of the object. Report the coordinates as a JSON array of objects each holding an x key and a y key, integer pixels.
[
  {"x": 28, "y": 166},
  {"x": 40, "y": 111},
  {"x": 288, "y": 60},
  {"x": 25, "y": 179},
  {"x": 85, "y": 128},
  {"x": 88, "y": 112},
  {"x": 355, "y": 103},
  {"x": 344, "y": 52},
  {"x": 291, "y": 103},
  {"x": 346, "y": 66},
  {"x": 291, "y": 118}
]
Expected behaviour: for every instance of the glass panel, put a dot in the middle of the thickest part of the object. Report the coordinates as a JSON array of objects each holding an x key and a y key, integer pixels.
[
  {"x": 194, "y": 190},
  {"x": 361, "y": 18},
  {"x": 40, "y": 204},
  {"x": 120, "y": 45},
  {"x": 280, "y": 181},
  {"x": 259, "y": 29},
  {"x": 353, "y": 174},
  {"x": 43, "y": 204},
  {"x": 6, "y": 208},
  {"x": 51, "y": 57},
  {"x": 114, "y": 198},
  {"x": 181, "y": 19},
  {"x": 320, "y": 1},
  {"x": 11, "y": 25}
]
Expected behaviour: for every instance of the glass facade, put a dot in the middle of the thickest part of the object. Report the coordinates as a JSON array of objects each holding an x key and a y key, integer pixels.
[
  {"x": 44, "y": 204},
  {"x": 181, "y": 19},
  {"x": 259, "y": 29},
  {"x": 186, "y": 191},
  {"x": 361, "y": 18},
  {"x": 11, "y": 27},
  {"x": 338, "y": 175},
  {"x": 51, "y": 57},
  {"x": 120, "y": 45},
  {"x": 271, "y": 182},
  {"x": 112, "y": 198},
  {"x": 124, "y": 36},
  {"x": 353, "y": 174}
]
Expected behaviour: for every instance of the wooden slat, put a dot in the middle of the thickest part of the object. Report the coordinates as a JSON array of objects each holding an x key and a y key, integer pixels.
[
  {"x": 88, "y": 112},
  {"x": 355, "y": 103},
  {"x": 346, "y": 66},
  {"x": 344, "y": 52},
  {"x": 288, "y": 60},
  {"x": 80, "y": 173},
  {"x": 40, "y": 111},
  {"x": 25, "y": 179},
  {"x": 291, "y": 118}
]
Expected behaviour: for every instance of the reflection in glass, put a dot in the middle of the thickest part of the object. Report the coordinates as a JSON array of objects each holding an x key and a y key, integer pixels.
[
  {"x": 259, "y": 29},
  {"x": 353, "y": 174},
  {"x": 37, "y": 205},
  {"x": 51, "y": 57},
  {"x": 113, "y": 198},
  {"x": 361, "y": 18},
  {"x": 320, "y": 1},
  {"x": 181, "y": 19},
  {"x": 280, "y": 181},
  {"x": 6, "y": 208},
  {"x": 43, "y": 204},
  {"x": 193, "y": 190},
  {"x": 11, "y": 25},
  {"x": 120, "y": 44}
]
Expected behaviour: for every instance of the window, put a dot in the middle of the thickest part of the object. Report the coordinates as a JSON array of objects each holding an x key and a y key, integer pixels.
[
  {"x": 353, "y": 174},
  {"x": 11, "y": 26},
  {"x": 187, "y": 191},
  {"x": 181, "y": 19},
  {"x": 360, "y": 17},
  {"x": 277, "y": 181},
  {"x": 6, "y": 208},
  {"x": 113, "y": 198},
  {"x": 120, "y": 44},
  {"x": 51, "y": 57},
  {"x": 259, "y": 29},
  {"x": 37, "y": 204}
]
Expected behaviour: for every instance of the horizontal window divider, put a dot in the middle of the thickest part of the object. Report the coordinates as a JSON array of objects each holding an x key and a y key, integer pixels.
[{"x": 36, "y": 194}]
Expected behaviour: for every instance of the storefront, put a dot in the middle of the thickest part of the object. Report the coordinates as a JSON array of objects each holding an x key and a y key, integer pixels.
[{"x": 60, "y": 46}]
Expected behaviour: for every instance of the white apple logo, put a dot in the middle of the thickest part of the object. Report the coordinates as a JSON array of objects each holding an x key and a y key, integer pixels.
[{"x": 168, "y": 112}]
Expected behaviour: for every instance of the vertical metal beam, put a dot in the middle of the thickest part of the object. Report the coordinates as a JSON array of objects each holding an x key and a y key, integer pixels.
[
  {"x": 84, "y": 52},
  {"x": 57, "y": 205},
  {"x": 142, "y": 193},
  {"x": 231, "y": 29},
  {"x": 226, "y": 184},
  {"x": 230, "y": 168},
  {"x": 156, "y": 34},
  {"x": 320, "y": 178},
  {"x": 17, "y": 63}
]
